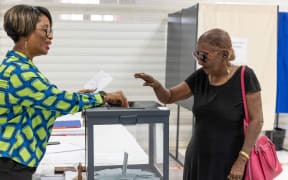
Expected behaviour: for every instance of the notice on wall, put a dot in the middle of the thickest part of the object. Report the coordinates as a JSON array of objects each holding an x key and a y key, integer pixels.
[{"x": 240, "y": 48}]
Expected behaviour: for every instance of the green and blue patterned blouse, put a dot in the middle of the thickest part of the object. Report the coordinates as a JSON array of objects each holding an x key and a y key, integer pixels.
[{"x": 29, "y": 105}]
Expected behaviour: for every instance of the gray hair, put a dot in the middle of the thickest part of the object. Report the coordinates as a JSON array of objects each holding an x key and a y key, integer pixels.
[{"x": 220, "y": 39}]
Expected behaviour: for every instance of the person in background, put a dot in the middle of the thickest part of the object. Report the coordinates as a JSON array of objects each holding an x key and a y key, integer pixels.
[
  {"x": 29, "y": 103},
  {"x": 218, "y": 149}
]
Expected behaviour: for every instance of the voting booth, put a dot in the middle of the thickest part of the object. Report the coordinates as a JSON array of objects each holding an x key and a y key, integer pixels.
[{"x": 253, "y": 31}]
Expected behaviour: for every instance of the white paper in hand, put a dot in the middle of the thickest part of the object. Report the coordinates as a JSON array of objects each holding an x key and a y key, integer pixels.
[{"x": 99, "y": 81}]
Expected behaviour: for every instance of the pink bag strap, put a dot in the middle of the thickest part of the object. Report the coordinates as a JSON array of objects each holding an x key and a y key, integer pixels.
[{"x": 246, "y": 119}]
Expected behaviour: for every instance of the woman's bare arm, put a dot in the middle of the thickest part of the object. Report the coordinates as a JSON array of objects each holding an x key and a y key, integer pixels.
[
  {"x": 164, "y": 95},
  {"x": 254, "y": 105}
]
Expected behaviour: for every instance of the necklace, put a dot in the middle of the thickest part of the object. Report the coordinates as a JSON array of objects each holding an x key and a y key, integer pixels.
[{"x": 229, "y": 70}]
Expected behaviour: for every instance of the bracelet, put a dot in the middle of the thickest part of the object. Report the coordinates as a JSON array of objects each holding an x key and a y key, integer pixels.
[
  {"x": 103, "y": 96},
  {"x": 243, "y": 153}
]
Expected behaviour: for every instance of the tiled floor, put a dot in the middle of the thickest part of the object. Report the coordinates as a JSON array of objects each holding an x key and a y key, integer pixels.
[
  {"x": 283, "y": 158},
  {"x": 175, "y": 170},
  {"x": 175, "y": 173}
]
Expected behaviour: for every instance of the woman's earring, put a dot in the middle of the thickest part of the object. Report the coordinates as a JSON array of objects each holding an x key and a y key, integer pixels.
[
  {"x": 25, "y": 44},
  {"x": 227, "y": 66}
]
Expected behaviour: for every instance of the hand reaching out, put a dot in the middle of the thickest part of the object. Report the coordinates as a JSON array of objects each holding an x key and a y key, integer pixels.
[{"x": 149, "y": 80}]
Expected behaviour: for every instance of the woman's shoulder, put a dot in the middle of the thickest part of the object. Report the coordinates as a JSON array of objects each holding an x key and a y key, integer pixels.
[
  {"x": 251, "y": 81},
  {"x": 249, "y": 71},
  {"x": 198, "y": 72}
]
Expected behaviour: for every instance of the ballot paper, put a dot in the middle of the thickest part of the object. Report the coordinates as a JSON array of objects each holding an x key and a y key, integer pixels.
[
  {"x": 124, "y": 173},
  {"x": 99, "y": 81}
]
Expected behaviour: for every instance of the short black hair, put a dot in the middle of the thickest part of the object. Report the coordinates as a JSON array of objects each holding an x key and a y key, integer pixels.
[
  {"x": 21, "y": 20},
  {"x": 46, "y": 12}
]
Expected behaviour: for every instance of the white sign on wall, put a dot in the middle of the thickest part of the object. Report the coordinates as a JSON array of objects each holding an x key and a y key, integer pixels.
[{"x": 240, "y": 48}]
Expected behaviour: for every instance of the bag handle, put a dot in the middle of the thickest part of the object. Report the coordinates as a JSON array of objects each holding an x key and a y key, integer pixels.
[{"x": 246, "y": 119}]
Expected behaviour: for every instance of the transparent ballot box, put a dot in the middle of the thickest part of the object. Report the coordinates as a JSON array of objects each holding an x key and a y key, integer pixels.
[{"x": 127, "y": 143}]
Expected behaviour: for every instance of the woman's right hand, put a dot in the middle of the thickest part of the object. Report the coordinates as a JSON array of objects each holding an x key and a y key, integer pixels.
[
  {"x": 149, "y": 80},
  {"x": 116, "y": 98}
]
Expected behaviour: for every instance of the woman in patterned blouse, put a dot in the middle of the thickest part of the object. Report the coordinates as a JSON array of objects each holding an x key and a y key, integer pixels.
[{"x": 29, "y": 103}]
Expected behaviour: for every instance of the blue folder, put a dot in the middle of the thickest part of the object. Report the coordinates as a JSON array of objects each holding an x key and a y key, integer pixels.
[{"x": 71, "y": 123}]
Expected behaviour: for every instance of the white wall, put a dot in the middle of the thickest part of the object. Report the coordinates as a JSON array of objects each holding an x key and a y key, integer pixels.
[{"x": 135, "y": 42}]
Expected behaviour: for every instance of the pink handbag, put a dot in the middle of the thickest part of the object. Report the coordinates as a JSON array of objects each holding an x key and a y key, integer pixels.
[{"x": 263, "y": 163}]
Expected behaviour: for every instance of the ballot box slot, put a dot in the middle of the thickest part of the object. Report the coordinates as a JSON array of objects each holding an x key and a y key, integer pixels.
[{"x": 128, "y": 119}]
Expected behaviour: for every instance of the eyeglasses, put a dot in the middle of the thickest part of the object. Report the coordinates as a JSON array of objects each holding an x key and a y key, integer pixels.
[
  {"x": 48, "y": 31},
  {"x": 204, "y": 56}
]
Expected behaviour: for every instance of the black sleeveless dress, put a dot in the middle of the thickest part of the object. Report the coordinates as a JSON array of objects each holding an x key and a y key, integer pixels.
[{"x": 218, "y": 132}]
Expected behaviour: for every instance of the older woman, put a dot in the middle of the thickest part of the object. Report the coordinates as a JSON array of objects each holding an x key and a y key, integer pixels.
[
  {"x": 29, "y": 103},
  {"x": 218, "y": 149}
]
